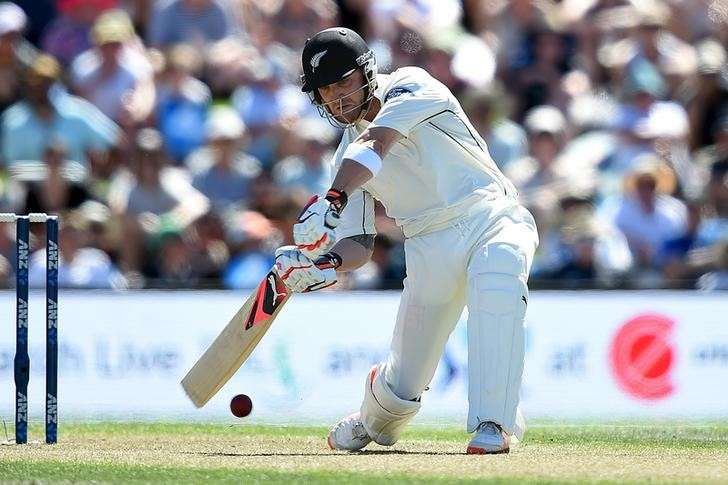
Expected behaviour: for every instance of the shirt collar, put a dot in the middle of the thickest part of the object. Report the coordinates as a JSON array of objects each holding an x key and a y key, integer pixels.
[{"x": 382, "y": 80}]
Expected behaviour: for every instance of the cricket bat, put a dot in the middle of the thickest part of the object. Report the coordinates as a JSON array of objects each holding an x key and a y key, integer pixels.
[{"x": 237, "y": 341}]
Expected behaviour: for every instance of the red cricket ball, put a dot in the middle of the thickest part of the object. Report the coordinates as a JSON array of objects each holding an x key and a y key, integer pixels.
[{"x": 241, "y": 405}]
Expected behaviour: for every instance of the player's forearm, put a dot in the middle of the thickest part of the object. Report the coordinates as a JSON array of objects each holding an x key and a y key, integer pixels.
[
  {"x": 353, "y": 254},
  {"x": 350, "y": 177},
  {"x": 366, "y": 154}
]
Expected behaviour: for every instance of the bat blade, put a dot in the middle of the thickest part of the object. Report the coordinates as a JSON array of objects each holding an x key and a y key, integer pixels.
[{"x": 236, "y": 341}]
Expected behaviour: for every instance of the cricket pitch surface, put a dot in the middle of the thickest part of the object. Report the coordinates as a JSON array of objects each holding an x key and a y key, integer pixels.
[{"x": 656, "y": 452}]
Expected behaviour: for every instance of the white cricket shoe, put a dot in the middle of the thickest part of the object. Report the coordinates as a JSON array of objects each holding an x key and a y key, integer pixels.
[
  {"x": 489, "y": 439},
  {"x": 349, "y": 434}
]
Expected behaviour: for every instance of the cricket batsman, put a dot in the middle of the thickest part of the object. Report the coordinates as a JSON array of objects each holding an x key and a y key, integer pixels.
[{"x": 408, "y": 144}]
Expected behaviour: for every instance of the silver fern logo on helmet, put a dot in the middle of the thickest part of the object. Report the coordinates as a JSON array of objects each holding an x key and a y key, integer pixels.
[{"x": 316, "y": 59}]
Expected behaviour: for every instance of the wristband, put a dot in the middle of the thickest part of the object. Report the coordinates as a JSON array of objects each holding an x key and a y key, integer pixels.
[
  {"x": 338, "y": 199},
  {"x": 328, "y": 260},
  {"x": 364, "y": 155}
]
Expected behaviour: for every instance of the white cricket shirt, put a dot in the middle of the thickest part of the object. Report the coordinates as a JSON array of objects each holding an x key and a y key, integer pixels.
[{"x": 439, "y": 171}]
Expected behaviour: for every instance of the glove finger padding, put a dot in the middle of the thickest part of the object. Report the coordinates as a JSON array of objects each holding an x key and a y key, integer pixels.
[
  {"x": 299, "y": 273},
  {"x": 329, "y": 276},
  {"x": 314, "y": 232},
  {"x": 314, "y": 242}
]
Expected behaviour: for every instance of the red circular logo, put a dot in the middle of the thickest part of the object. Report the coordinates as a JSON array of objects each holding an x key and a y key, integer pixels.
[{"x": 642, "y": 357}]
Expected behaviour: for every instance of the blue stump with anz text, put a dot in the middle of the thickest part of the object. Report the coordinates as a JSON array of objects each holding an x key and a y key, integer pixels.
[
  {"x": 22, "y": 359},
  {"x": 51, "y": 414}
]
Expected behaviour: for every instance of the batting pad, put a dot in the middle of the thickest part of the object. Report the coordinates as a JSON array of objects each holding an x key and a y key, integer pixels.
[
  {"x": 383, "y": 413},
  {"x": 497, "y": 299}
]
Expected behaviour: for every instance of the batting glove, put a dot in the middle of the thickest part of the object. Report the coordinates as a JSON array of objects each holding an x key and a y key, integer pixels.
[
  {"x": 300, "y": 274},
  {"x": 314, "y": 232}
]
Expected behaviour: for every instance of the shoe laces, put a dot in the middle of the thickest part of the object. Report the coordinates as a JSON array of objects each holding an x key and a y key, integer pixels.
[
  {"x": 489, "y": 427},
  {"x": 358, "y": 431}
]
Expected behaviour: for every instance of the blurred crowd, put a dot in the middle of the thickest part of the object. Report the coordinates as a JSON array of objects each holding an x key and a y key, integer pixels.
[{"x": 173, "y": 139}]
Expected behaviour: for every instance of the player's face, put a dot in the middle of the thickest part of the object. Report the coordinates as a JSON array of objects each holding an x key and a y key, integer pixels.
[{"x": 345, "y": 99}]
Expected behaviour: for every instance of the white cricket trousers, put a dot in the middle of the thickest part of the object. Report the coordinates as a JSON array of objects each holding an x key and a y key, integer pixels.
[{"x": 482, "y": 262}]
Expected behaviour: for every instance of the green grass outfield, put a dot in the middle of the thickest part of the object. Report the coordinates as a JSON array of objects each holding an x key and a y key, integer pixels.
[{"x": 208, "y": 453}]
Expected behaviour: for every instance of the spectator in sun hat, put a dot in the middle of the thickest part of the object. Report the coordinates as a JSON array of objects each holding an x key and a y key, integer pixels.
[
  {"x": 307, "y": 169},
  {"x": 47, "y": 112},
  {"x": 653, "y": 41},
  {"x": 152, "y": 200},
  {"x": 644, "y": 117},
  {"x": 647, "y": 213},
  {"x": 159, "y": 189},
  {"x": 709, "y": 93},
  {"x": 224, "y": 172},
  {"x": 536, "y": 176},
  {"x": 583, "y": 250},
  {"x": 101, "y": 229},
  {"x": 263, "y": 105},
  {"x": 639, "y": 32},
  {"x": 488, "y": 109},
  {"x": 114, "y": 75},
  {"x": 68, "y": 35}
]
